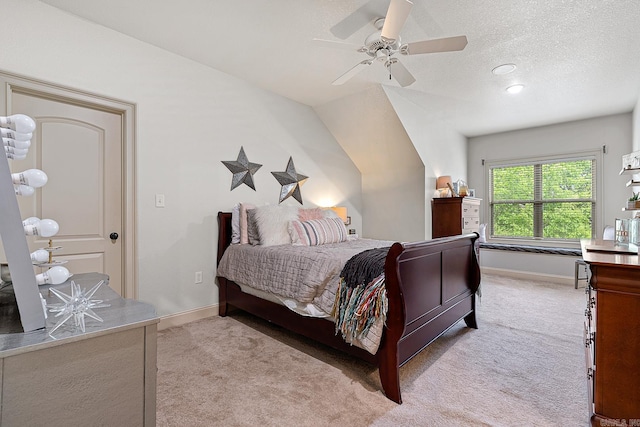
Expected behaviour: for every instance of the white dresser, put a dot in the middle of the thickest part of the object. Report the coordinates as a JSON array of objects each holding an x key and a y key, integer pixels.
[{"x": 105, "y": 376}]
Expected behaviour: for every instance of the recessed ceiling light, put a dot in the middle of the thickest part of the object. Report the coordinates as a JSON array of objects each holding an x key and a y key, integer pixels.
[
  {"x": 515, "y": 89},
  {"x": 503, "y": 69}
]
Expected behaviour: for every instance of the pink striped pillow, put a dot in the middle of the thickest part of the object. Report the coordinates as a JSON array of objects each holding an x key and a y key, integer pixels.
[{"x": 320, "y": 231}]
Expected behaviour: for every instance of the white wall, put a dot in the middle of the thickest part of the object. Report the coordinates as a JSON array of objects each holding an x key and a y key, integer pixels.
[
  {"x": 367, "y": 127},
  {"x": 613, "y": 131},
  {"x": 636, "y": 126},
  {"x": 189, "y": 119},
  {"x": 443, "y": 150}
]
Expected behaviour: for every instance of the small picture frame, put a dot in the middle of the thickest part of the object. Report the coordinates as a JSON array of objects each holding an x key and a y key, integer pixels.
[{"x": 472, "y": 192}]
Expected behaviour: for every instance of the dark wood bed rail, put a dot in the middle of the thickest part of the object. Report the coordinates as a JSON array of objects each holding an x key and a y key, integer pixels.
[{"x": 430, "y": 285}]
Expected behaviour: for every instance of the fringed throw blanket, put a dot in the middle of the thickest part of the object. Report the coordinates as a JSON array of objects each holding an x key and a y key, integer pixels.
[{"x": 361, "y": 299}]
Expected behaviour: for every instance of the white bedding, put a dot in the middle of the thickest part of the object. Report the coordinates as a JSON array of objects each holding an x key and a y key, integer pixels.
[{"x": 302, "y": 309}]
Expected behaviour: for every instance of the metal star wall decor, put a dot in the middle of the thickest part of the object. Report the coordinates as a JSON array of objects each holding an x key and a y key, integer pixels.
[
  {"x": 242, "y": 170},
  {"x": 291, "y": 182}
]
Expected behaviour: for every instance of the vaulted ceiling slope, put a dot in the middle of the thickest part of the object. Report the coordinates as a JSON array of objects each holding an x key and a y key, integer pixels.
[{"x": 577, "y": 59}]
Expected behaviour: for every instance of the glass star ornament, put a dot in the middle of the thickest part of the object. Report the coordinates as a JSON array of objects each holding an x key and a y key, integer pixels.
[
  {"x": 291, "y": 182},
  {"x": 77, "y": 305},
  {"x": 242, "y": 170}
]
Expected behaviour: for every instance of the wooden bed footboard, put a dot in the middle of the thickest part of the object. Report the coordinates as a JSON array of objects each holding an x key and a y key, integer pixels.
[{"x": 430, "y": 285}]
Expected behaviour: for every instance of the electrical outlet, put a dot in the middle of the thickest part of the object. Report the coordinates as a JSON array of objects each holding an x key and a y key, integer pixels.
[
  {"x": 198, "y": 276},
  {"x": 352, "y": 231},
  {"x": 159, "y": 200}
]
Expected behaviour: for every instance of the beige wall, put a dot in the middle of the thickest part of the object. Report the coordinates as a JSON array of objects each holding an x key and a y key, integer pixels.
[
  {"x": 401, "y": 149},
  {"x": 442, "y": 150},
  {"x": 369, "y": 130}
]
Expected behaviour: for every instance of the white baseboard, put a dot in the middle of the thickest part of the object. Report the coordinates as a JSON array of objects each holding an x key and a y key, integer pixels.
[
  {"x": 185, "y": 317},
  {"x": 528, "y": 275}
]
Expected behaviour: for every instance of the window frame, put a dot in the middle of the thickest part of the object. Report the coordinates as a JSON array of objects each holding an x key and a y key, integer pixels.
[{"x": 596, "y": 211}]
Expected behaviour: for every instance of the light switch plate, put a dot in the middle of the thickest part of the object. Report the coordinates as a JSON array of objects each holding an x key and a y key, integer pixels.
[{"x": 159, "y": 200}]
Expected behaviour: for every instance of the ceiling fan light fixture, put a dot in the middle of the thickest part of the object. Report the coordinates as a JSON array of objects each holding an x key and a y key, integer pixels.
[
  {"x": 514, "y": 89},
  {"x": 382, "y": 54},
  {"x": 503, "y": 69}
]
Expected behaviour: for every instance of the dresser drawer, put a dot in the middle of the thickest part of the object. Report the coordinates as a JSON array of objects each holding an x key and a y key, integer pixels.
[
  {"x": 470, "y": 210},
  {"x": 470, "y": 224}
]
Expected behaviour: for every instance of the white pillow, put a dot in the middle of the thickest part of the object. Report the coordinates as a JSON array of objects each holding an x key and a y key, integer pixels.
[
  {"x": 273, "y": 224},
  {"x": 482, "y": 232},
  {"x": 235, "y": 224}
]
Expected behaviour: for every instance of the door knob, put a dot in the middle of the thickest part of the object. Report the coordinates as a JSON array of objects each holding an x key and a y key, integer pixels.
[{"x": 113, "y": 236}]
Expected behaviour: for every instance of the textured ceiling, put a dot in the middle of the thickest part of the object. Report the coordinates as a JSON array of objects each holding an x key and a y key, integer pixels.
[{"x": 577, "y": 59}]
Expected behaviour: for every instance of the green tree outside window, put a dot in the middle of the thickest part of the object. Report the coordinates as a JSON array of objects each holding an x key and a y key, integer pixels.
[{"x": 543, "y": 200}]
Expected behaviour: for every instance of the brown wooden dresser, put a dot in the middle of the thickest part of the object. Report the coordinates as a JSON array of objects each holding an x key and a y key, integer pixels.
[
  {"x": 451, "y": 216},
  {"x": 612, "y": 333}
]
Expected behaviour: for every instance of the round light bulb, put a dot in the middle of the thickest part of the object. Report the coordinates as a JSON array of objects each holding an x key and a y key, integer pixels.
[
  {"x": 53, "y": 276},
  {"x": 18, "y": 122},
  {"x": 16, "y": 151},
  {"x": 40, "y": 256},
  {"x": 16, "y": 143},
  {"x": 8, "y": 133},
  {"x": 45, "y": 228},
  {"x": 33, "y": 177},
  {"x": 11, "y": 156},
  {"x": 24, "y": 190},
  {"x": 32, "y": 220}
]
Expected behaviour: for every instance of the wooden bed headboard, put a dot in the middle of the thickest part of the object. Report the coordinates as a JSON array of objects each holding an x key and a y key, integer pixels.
[{"x": 224, "y": 233}]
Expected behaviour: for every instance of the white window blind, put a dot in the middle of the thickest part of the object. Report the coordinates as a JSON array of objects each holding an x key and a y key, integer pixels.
[{"x": 550, "y": 199}]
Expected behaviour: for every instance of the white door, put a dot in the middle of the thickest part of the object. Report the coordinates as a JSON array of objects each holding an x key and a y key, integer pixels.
[{"x": 80, "y": 148}]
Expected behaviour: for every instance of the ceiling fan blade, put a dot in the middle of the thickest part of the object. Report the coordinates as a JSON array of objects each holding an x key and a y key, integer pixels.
[
  {"x": 447, "y": 44},
  {"x": 364, "y": 15},
  {"x": 352, "y": 72},
  {"x": 400, "y": 73},
  {"x": 331, "y": 44},
  {"x": 396, "y": 17}
]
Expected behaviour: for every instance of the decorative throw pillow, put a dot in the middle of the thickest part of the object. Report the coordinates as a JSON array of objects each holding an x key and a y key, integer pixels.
[
  {"x": 235, "y": 224},
  {"x": 482, "y": 232},
  {"x": 273, "y": 224},
  {"x": 253, "y": 236},
  {"x": 319, "y": 231},
  {"x": 244, "y": 207},
  {"x": 309, "y": 214}
]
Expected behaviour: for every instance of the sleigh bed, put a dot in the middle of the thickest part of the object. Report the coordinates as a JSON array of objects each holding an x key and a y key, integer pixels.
[{"x": 430, "y": 286}]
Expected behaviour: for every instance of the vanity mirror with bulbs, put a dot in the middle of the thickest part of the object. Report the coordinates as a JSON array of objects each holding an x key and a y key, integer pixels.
[{"x": 18, "y": 273}]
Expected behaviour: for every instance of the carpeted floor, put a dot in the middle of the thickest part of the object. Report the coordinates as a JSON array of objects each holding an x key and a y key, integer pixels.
[{"x": 524, "y": 366}]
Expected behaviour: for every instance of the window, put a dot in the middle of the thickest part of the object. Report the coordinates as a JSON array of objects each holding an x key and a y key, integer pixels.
[{"x": 551, "y": 199}]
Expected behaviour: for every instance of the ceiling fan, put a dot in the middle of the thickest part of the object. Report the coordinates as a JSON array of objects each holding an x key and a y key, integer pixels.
[{"x": 383, "y": 44}]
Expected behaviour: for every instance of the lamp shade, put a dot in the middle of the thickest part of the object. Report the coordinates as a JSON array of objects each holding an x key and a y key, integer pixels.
[
  {"x": 341, "y": 211},
  {"x": 442, "y": 181}
]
